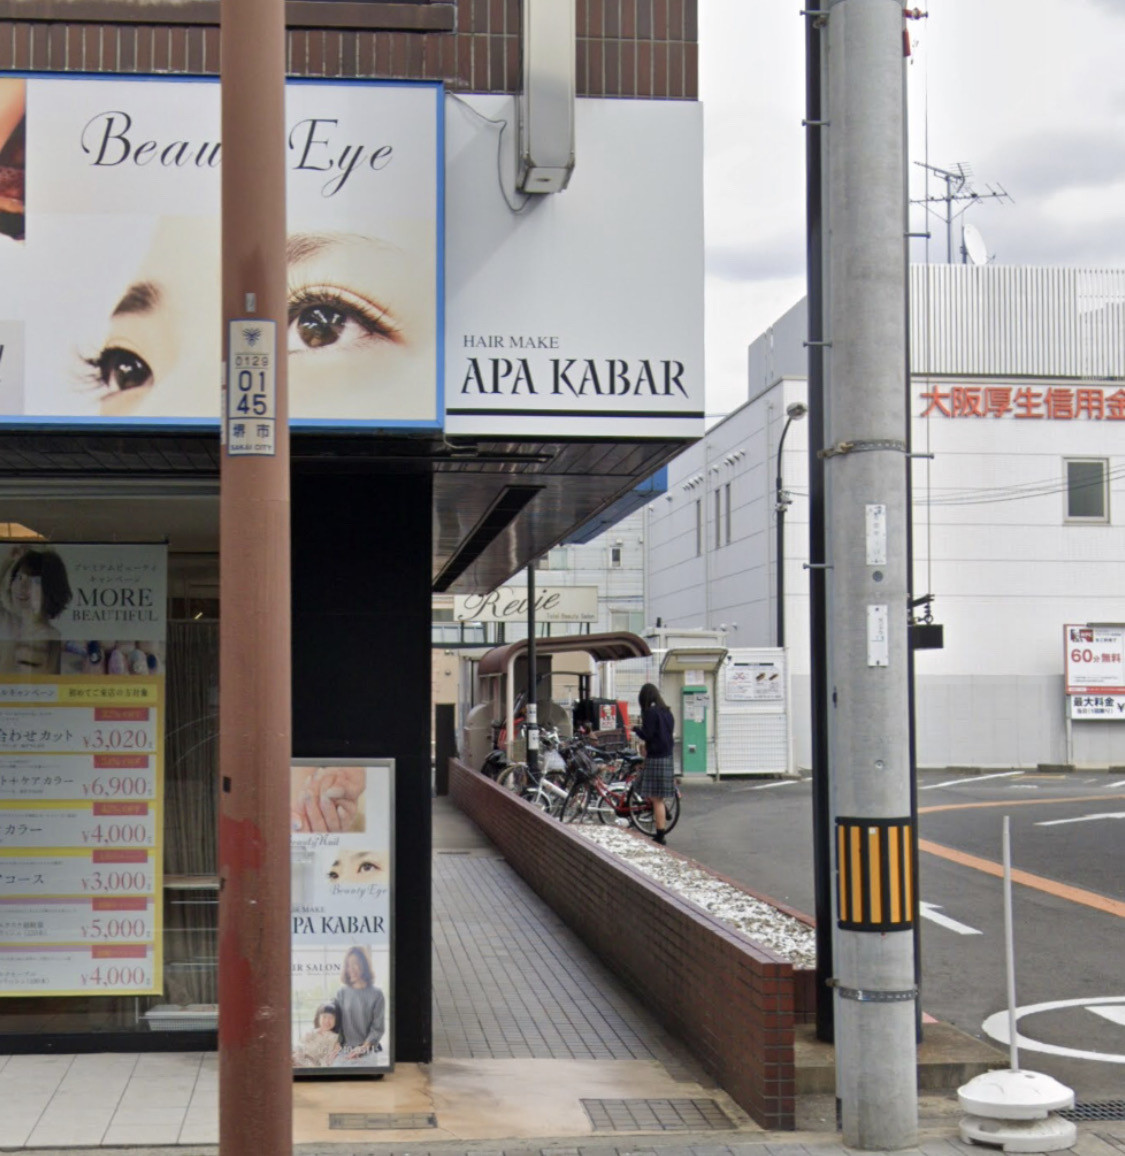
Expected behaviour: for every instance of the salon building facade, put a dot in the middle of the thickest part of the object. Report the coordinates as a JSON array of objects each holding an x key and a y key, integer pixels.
[
  {"x": 1016, "y": 410},
  {"x": 537, "y": 359}
]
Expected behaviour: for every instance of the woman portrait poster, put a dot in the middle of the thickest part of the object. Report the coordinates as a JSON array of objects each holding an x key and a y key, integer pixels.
[
  {"x": 121, "y": 303},
  {"x": 342, "y": 855}
]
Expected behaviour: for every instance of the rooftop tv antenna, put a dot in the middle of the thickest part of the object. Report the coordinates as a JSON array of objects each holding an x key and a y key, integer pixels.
[{"x": 958, "y": 198}]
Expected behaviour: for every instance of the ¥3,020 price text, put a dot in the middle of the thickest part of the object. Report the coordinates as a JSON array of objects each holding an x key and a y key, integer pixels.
[{"x": 117, "y": 739}]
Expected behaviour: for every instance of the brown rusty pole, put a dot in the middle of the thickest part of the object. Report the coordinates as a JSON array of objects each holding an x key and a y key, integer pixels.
[{"x": 255, "y": 1070}]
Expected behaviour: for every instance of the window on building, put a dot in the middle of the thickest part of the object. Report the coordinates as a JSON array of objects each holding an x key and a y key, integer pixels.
[
  {"x": 718, "y": 518},
  {"x": 1087, "y": 490},
  {"x": 698, "y": 526},
  {"x": 726, "y": 511},
  {"x": 632, "y": 620},
  {"x": 615, "y": 555}
]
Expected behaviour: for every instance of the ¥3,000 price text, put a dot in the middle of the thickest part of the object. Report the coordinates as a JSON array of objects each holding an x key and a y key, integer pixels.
[{"x": 113, "y": 881}]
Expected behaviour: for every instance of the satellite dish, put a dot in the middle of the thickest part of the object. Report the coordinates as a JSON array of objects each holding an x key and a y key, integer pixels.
[{"x": 973, "y": 246}]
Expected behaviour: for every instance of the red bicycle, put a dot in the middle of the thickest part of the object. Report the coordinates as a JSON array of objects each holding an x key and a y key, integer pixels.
[{"x": 616, "y": 801}]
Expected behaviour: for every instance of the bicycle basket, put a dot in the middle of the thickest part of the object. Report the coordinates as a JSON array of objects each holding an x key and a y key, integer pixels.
[{"x": 579, "y": 763}]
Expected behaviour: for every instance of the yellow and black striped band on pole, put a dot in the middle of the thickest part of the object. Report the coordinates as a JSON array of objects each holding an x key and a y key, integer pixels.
[{"x": 874, "y": 874}]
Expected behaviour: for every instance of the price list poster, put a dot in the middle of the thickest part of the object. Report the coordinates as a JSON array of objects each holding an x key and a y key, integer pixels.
[{"x": 82, "y": 658}]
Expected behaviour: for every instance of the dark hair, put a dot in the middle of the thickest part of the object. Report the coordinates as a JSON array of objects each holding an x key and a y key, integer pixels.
[
  {"x": 364, "y": 964},
  {"x": 332, "y": 1008},
  {"x": 50, "y": 569},
  {"x": 650, "y": 696}
]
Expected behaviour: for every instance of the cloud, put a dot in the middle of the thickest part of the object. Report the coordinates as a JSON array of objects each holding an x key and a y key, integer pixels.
[
  {"x": 769, "y": 259},
  {"x": 1046, "y": 163}
]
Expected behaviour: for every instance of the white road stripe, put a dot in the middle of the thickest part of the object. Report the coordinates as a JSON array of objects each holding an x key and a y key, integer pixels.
[
  {"x": 1082, "y": 819},
  {"x": 1112, "y": 1013},
  {"x": 766, "y": 786},
  {"x": 930, "y": 912},
  {"x": 971, "y": 779},
  {"x": 1114, "y": 786}
]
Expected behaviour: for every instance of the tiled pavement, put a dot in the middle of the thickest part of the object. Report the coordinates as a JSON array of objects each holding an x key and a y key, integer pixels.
[
  {"x": 512, "y": 985},
  {"x": 511, "y": 980}
]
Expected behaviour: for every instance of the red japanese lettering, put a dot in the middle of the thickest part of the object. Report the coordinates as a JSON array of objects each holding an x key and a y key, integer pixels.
[
  {"x": 1027, "y": 402},
  {"x": 937, "y": 401}
]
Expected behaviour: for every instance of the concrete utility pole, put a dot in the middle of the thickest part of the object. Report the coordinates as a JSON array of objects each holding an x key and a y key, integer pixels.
[
  {"x": 255, "y": 743},
  {"x": 865, "y": 483}
]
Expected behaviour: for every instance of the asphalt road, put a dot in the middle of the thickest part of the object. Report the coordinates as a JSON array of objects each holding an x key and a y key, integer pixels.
[{"x": 1068, "y": 909}]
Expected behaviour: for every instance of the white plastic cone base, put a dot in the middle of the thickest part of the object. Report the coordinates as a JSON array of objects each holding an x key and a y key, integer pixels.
[
  {"x": 1050, "y": 1135},
  {"x": 1008, "y": 1095}
]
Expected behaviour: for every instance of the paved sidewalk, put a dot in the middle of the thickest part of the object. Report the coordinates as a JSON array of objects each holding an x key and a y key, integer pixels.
[{"x": 538, "y": 1052}]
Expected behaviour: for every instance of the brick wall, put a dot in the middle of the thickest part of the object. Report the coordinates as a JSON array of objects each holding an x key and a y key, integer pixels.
[
  {"x": 731, "y": 1001},
  {"x": 628, "y": 48}
]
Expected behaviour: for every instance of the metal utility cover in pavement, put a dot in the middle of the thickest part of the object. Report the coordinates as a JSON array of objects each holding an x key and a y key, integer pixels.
[
  {"x": 380, "y": 1121},
  {"x": 1102, "y": 1110},
  {"x": 657, "y": 1116}
]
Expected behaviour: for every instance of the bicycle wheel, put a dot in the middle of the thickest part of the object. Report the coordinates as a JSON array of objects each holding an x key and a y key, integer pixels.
[
  {"x": 577, "y": 804},
  {"x": 640, "y": 812},
  {"x": 514, "y": 778}
]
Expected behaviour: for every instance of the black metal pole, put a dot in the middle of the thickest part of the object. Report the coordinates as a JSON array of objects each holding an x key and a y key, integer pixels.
[
  {"x": 818, "y": 625},
  {"x": 779, "y": 508},
  {"x": 531, "y": 728}
]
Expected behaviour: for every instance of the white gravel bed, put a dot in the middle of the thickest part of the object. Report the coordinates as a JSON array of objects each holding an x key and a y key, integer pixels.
[{"x": 763, "y": 923}]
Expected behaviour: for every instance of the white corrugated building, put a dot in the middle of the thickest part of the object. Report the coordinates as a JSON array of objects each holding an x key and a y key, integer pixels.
[{"x": 1018, "y": 392}]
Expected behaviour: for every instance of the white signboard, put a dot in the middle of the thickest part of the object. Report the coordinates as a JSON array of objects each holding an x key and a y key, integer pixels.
[
  {"x": 1096, "y": 706},
  {"x": 509, "y": 604},
  {"x": 582, "y": 314},
  {"x": 250, "y": 389},
  {"x": 1094, "y": 659},
  {"x": 754, "y": 682},
  {"x": 110, "y": 308}
]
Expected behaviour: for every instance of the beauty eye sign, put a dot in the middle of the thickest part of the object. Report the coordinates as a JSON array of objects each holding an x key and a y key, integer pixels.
[{"x": 110, "y": 253}]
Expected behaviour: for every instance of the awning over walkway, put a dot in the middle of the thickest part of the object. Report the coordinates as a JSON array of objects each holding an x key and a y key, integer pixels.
[{"x": 610, "y": 647}]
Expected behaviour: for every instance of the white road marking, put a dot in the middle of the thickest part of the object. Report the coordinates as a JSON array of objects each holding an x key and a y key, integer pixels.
[
  {"x": 766, "y": 786},
  {"x": 1116, "y": 1014},
  {"x": 1114, "y": 786},
  {"x": 996, "y": 1026},
  {"x": 971, "y": 779},
  {"x": 1081, "y": 819},
  {"x": 930, "y": 912}
]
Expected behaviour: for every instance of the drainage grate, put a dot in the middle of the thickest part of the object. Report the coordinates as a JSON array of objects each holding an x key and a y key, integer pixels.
[
  {"x": 383, "y": 1121},
  {"x": 657, "y": 1116},
  {"x": 1102, "y": 1110}
]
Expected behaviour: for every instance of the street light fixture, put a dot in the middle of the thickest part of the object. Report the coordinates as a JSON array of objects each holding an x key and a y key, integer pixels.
[{"x": 793, "y": 412}]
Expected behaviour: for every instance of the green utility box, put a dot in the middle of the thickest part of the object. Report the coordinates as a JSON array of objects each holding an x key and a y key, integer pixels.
[{"x": 694, "y": 704}]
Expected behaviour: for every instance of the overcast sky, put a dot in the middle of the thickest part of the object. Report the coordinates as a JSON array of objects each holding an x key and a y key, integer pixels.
[{"x": 1031, "y": 95}]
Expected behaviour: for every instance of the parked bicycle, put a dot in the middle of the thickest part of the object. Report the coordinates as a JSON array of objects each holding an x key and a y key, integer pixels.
[{"x": 609, "y": 794}]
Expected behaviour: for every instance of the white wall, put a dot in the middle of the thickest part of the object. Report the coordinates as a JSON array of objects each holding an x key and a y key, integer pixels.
[{"x": 991, "y": 543}]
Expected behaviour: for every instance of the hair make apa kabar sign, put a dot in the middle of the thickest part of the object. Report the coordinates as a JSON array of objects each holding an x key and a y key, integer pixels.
[{"x": 110, "y": 281}]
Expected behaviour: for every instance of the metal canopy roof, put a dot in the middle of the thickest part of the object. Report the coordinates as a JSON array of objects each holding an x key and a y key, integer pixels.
[
  {"x": 600, "y": 647},
  {"x": 497, "y": 504}
]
